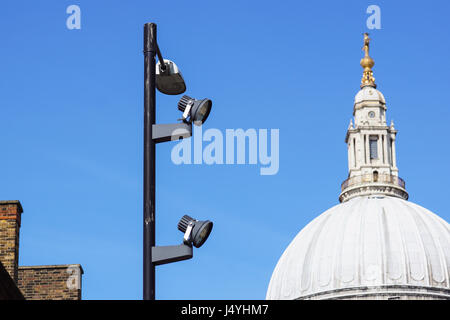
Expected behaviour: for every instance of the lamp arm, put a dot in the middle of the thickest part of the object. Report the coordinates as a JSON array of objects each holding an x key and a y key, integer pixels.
[
  {"x": 160, "y": 58},
  {"x": 169, "y": 254},
  {"x": 171, "y": 132}
]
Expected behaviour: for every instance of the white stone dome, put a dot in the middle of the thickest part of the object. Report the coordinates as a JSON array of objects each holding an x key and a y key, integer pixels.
[
  {"x": 367, "y": 248},
  {"x": 369, "y": 94}
]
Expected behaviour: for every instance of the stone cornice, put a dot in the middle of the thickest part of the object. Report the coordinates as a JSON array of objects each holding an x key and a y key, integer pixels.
[{"x": 373, "y": 188}]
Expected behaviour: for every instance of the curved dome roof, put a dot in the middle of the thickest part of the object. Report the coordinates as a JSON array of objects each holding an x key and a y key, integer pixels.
[
  {"x": 368, "y": 243},
  {"x": 369, "y": 93}
]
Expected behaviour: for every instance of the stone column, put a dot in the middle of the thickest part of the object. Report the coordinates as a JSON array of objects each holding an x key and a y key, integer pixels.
[
  {"x": 394, "y": 158},
  {"x": 380, "y": 149},
  {"x": 352, "y": 154},
  {"x": 386, "y": 156},
  {"x": 349, "y": 150},
  {"x": 367, "y": 137}
]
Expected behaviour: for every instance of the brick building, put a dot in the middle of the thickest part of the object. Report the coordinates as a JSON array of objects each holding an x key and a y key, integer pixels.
[{"x": 52, "y": 282}]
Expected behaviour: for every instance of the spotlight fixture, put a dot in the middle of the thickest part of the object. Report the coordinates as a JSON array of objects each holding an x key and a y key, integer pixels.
[
  {"x": 195, "y": 232},
  {"x": 196, "y": 111}
]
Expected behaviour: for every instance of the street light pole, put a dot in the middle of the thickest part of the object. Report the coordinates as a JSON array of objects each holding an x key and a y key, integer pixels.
[
  {"x": 150, "y": 49},
  {"x": 171, "y": 82}
]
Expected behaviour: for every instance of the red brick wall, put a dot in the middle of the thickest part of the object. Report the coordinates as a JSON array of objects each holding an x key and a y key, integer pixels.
[
  {"x": 60, "y": 282},
  {"x": 10, "y": 213},
  {"x": 8, "y": 288}
]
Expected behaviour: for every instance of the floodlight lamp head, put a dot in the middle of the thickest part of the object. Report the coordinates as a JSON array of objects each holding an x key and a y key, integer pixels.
[
  {"x": 169, "y": 79},
  {"x": 196, "y": 111},
  {"x": 195, "y": 232}
]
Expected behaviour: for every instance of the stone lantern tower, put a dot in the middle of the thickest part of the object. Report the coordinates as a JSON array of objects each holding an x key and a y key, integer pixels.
[{"x": 371, "y": 142}]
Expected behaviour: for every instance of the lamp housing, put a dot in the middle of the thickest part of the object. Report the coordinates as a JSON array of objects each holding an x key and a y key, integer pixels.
[
  {"x": 195, "y": 232},
  {"x": 169, "y": 80},
  {"x": 196, "y": 111}
]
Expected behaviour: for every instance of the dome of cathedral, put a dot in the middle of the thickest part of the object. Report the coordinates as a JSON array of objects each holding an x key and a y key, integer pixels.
[
  {"x": 375, "y": 244},
  {"x": 370, "y": 247},
  {"x": 369, "y": 93}
]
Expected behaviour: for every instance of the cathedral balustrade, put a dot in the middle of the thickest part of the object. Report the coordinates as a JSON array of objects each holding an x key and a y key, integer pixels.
[{"x": 373, "y": 178}]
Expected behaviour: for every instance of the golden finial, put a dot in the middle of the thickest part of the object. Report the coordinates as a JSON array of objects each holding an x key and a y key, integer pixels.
[{"x": 367, "y": 63}]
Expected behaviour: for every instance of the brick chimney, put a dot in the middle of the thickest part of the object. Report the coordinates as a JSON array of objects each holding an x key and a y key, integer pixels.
[{"x": 10, "y": 212}]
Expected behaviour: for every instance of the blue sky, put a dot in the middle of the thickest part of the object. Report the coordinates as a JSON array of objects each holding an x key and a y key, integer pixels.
[{"x": 71, "y": 104}]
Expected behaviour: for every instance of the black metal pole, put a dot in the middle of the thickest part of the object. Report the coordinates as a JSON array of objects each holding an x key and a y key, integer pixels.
[{"x": 149, "y": 158}]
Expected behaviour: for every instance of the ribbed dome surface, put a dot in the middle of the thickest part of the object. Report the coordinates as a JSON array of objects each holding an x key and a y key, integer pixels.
[
  {"x": 369, "y": 94},
  {"x": 367, "y": 242}
]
